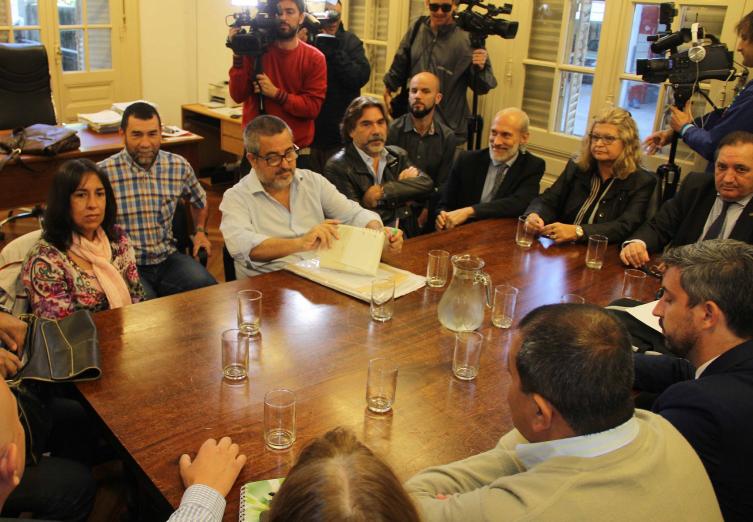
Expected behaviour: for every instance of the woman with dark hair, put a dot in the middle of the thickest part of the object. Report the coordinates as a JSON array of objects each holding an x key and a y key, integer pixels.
[
  {"x": 338, "y": 479},
  {"x": 84, "y": 260},
  {"x": 605, "y": 191}
]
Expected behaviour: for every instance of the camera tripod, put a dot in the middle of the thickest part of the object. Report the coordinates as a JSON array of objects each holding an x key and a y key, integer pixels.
[{"x": 475, "y": 120}]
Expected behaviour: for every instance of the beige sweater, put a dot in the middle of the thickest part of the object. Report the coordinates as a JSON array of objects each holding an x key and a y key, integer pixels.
[{"x": 656, "y": 477}]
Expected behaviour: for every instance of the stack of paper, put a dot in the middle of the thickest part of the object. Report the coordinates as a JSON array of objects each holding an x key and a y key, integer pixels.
[
  {"x": 120, "y": 107},
  {"x": 102, "y": 121},
  {"x": 354, "y": 285},
  {"x": 357, "y": 251}
]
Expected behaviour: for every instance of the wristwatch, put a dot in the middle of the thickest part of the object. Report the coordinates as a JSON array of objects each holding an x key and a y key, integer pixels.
[{"x": 579, "y": 232}]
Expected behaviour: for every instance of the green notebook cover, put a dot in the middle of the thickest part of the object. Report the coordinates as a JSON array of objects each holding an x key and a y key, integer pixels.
[{"x": 256, "y": 497}]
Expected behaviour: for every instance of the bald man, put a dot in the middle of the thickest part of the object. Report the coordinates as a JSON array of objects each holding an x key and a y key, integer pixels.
[
  {"x": 430, "y": 143},
  {"x": 499, "y": 181}
]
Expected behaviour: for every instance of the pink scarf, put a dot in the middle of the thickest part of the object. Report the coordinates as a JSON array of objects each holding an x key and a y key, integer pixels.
[{"x": 99, "y": 254}]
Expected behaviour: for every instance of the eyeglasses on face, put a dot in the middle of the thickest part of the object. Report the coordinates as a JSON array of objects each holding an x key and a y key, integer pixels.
[
  {"x": 606, "y": 140},
  {"x": 275, "y": 160},
  {"x": 446, "y": 8}
]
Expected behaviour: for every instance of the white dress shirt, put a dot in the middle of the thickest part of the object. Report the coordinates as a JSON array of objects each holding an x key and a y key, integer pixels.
[
  {"x": 584, "y": 446},
  {"x": 250, "y": 216},
  {"x": 492, "y": 173}
]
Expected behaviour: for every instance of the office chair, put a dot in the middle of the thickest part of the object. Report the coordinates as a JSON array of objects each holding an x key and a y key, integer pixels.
[
  {"x": 182, "y": 228},
  {"x": 25, "y": 92}
]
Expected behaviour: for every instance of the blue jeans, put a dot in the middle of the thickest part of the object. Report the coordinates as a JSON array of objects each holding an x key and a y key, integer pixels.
[{"x": 178, "y": 273}]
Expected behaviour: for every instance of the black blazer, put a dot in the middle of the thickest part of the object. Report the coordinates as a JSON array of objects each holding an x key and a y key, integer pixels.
[
  {"x": 466, "y": 183},
  {"x": 714, "y": 413},
  {"x": 680, "y": 220},
  {"x": 621, "y": 210}
]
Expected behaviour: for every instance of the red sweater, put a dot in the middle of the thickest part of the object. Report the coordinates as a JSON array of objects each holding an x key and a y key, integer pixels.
[{"x": 301, "y": 77}]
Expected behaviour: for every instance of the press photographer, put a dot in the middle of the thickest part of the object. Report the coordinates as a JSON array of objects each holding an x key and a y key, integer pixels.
[
  {"x": 436, "y": 44},
  {"x": 347, "y": 71},
  {"x": 291, "y": 79},
  {"x": 703, "y": 134}
]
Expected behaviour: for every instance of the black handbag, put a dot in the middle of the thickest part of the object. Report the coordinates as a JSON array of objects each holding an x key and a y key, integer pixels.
[
  {"x": 39, "y": 140},
  {"x": 399, "y": 104},
  {"x": 66, "y": 350}
]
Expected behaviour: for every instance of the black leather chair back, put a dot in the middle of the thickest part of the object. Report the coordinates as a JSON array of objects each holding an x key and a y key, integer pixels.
[{"x": 25, "y": 93}]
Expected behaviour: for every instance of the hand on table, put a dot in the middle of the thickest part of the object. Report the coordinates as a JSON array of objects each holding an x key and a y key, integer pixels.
[
  {"x": 535, "y": 223},
  {"x": 217, "y": 465},
  {"x": 634, "y": 254},
  {"x": 560, "y": 232}
]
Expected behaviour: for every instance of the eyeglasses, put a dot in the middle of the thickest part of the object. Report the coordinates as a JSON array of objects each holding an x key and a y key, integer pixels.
[
  {"x": 606, "y": 140},
  {"x": 446, "y": 8},
  {"x": 275, "y": 160}
]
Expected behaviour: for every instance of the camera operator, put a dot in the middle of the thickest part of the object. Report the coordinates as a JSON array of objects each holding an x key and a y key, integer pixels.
[
  {"x": 437, "y": 45},
  {"x": 704, "y": 133},
  {"x": 293, "y": 79},
  {"x": 347, "y": 71}
]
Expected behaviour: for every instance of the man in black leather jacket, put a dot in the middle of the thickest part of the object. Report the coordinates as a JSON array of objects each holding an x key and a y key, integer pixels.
[{"x": 378, "y": 177}]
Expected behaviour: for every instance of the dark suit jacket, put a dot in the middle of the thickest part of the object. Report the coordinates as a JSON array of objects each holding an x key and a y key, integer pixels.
[
  {"x": 715, "y": 414},
  {"x": 680, "y": 220},
  {"x": 466, "y": 183},
  {"x": 621, "y": 210}
]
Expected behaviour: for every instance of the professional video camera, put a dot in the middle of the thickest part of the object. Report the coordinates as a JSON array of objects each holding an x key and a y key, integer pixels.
[
  {"x": 481, "y": 26},
  {"x": 262, "y": 30},
  {"x": 684, "y": 70},
  {"x": 711, "y": 61},
  {"x": 313, "y": 22}
]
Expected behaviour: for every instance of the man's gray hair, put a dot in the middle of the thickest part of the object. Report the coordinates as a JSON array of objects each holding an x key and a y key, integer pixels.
[
  {"x": 525, "y": 122},
  {"x": 264, "y": 125},
  {"x": 718, "y": 270}
]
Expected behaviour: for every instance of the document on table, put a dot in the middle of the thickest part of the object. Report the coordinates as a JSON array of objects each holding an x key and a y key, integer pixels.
[
  {"x": 644, "y": 315},
  {"x": 356, "y": 285},
  {"x": 357, "y": 251}
]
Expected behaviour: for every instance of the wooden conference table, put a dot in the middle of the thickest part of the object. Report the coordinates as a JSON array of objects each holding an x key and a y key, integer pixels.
[
  {"x": 19, "y": 186},
  {"x": 161, "y": 393}
]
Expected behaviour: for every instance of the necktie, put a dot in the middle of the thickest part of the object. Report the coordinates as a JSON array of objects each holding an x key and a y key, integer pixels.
[
  {"x": 716, "y": 227},
  {"x": 501, "y": 171}
]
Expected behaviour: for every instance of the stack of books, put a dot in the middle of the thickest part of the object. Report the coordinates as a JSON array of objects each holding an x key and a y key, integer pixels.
[{"x": 102, "y": 121}]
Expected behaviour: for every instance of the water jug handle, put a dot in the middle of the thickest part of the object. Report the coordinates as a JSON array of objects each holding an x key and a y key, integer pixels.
[{"x": 486, "y": 280}]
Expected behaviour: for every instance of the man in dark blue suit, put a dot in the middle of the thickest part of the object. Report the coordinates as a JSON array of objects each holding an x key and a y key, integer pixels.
[{"x": 707, "y": 392}]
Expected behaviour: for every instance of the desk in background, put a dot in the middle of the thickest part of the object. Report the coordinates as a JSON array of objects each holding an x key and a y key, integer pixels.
[
  {"x": 161, "y": 393},
  {"x": 19, "y": 186},
  {"x": 223, "y": 134}
]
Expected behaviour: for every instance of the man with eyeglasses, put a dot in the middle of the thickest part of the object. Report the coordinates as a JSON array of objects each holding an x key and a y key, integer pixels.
[
  {"x": 277, "y": 213},
  {"x": 293, "y": 81},
  {"x": 437, "y": 45},
  {"x": 705, "y": 207},
  {"x": 706, "y": 392},
  {"x": 703, "y": 134}
]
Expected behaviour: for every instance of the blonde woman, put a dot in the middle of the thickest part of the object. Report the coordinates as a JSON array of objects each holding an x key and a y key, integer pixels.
[{"x": 605, "y": 191}]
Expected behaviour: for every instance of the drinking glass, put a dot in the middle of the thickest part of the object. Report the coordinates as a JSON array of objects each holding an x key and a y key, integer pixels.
[
  {"x": 505, "y": 298},
  {"x": 632, "y": 283},
  {"x": 465, "y": 359},
  {"x": 524, "y": 234},
  {"x": 437, "y": 267},
  {"x": 382, "y": 299},
  {"x": 597, "y": 247},
  {"x": 234, "y": 355},
  {"x": 381, "y": 384},
  {"x": 279, "y": 418},
  {"x": 249, "y": 311}
]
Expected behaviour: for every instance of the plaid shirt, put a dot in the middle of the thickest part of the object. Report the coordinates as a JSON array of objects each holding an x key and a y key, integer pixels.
[{"x": 147, "y": 200}]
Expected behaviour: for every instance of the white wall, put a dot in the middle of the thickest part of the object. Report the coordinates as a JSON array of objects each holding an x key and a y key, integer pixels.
[{"x": 182, "y": 50}]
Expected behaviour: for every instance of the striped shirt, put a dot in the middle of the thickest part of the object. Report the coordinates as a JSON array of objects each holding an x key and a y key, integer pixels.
[
  {"x": 199, "y": 503},
  {"x": 147, "y": 200}
]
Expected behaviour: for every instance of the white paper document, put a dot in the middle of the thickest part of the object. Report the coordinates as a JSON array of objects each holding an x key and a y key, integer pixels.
[
  {"x": 357, "y": 251},
  {"x": 644, "y": 315},
  {"x": 355, "y": 285}
]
